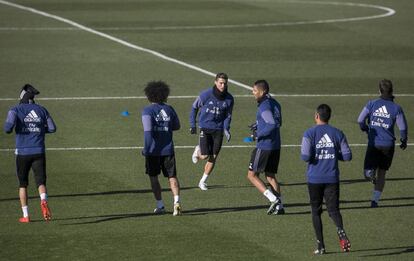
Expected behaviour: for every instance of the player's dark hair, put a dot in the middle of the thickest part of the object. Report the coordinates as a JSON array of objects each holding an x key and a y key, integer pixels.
[
  {"x": 324, "y": 112},
  {"x": 157, "y": 91},
  {"x": 222, "y": 76},
  {"x": 263, "y": 85},
  {"x": 385, "y": 87}
]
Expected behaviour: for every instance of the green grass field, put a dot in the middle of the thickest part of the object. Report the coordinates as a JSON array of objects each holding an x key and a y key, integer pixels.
[{"x": 101, "y": 199}]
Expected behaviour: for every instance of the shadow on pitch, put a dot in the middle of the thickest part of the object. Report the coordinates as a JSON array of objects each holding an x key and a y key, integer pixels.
[
  {"x": 104, "y": 193},
  {"x": 398, "y": 251},
  {"x": 346, "y": 181}
]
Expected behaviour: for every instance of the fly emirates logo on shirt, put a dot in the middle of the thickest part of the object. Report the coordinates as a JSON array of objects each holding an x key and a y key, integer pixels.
[
  {"x": 380, "y": 114},
  {"x": 324, "y": 142}
]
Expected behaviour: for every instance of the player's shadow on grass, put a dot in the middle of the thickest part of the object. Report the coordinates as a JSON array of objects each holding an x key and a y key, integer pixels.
[
  {"x": 398, "y": 251},
  {"x": 102, "y": 193},
  {"x": 346, "y": 181}
]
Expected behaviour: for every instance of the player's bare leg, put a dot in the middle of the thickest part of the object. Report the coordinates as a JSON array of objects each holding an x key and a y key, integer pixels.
[
  {"x": 260, "y": 185},
  {"x": 208, "y": 168}
]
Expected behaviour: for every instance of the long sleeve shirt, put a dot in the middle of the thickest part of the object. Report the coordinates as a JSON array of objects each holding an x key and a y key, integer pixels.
[
  {"x": 322, "y": 147},
  {"x": 214, "y": 113},
  {"x": 159, "y": 121},
  {"x": 269, "y": 121},
  {"x": 378, "y": 117},
  {"x": 31, "y": 122}
]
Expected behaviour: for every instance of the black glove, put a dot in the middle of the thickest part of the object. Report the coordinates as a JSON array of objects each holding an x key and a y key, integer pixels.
[
  {"x": 193, "y": 130},
  {"x": 253, "y": 127},
  {"x": 403, "y": 144}
]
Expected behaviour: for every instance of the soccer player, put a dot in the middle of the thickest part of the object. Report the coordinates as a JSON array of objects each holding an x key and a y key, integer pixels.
[
  {"x": 159, "y": 121},
  {"x": 265, "y": 157},
  {"x": 322, "y": 147},
  {"x": 215, "y": 106},
  {"x": 31, "y": 122},
  {"x": 378, "y": 118}
]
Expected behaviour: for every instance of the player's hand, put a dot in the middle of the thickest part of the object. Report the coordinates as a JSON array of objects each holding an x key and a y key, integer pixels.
[
  {"x": 193, "y": 130},
  {"x": 254, "y": 135},
  {"x": 253, "y": 127},
  {"x": 228, "y": 135},
  {"x": 403, "y": 144}
]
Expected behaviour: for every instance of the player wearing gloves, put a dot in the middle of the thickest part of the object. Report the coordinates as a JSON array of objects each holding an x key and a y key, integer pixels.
[
  {"x": 378, "y": 118},
  {"x": 214, "y": 107},
  {"x": 159, "y": 121},
  {"x": 31, "y": 122},
  {"x": 322, "y": 147},
  {"x": 265, "y": 157}
]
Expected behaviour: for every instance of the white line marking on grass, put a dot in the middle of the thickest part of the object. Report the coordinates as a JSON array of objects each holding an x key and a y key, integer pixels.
[
  {"x": 388, "y": 12},
  {"x": 173, "y": 60},
  {"x": 177, "y": 147},
  {"x": 122, "y": 42},
  {"x": 195, "y": 96}
]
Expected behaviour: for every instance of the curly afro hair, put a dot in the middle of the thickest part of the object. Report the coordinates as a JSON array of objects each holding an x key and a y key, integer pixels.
[{"x": 157, "y": 91}]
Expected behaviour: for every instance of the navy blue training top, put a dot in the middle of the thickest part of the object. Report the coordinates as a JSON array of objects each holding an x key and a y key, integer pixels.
[
  {"x": 31, "y": 122},
  {"x": 322, "y": 147},
  {"x": 159, "y": 121}
]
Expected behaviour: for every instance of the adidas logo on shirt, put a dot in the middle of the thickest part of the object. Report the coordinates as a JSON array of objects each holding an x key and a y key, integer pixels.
[
  {"x": 162, "y": 116},
  {"x": 381, "y": 112},
  {"x": 325, "y": 142},
  {"x": 32, "y": 117}
]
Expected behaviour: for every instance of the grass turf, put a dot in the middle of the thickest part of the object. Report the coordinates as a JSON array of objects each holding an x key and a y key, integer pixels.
[{"x": 100, "y": 200}]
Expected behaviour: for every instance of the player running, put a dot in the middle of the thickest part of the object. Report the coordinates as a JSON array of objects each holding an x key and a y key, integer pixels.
[
  {"x": 159, "y": 121},
  {"x": 265, "y": 157},
  {"x": 214, "y": 107},
  {"x": 378, "y": 118},
  {"x": 31, "y": 122},
  {"x": 322, "y": 147}
]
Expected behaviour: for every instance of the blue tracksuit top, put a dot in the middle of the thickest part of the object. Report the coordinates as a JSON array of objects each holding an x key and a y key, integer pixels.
[
  {"x": 31, "y": 122},
  {"x": 214, "y": 114},
  {"x": 159, "y": 121},
  {"x": 322, "y": 147},
  {"x": 269, "y": 121},
  {"x": 379, "y": 117}
]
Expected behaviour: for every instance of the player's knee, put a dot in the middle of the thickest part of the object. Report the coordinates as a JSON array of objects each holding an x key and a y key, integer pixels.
[
  {"x": 369, "y": 174},
  {"x": 316, "y": 210},
  {"x": 212, "y": 158}
]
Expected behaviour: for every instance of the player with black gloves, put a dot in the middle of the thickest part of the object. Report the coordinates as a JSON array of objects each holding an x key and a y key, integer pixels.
[
  {"x": 31, "y": 122},
  {"x": 378, "y": 118},
  {"x": 214, "y": 107}
]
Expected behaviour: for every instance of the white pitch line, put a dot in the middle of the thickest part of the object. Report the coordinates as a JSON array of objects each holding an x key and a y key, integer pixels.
[
  {"x": 122, "y": 42},
  {"x": 194, "y": 96},
  {"x": 389, "y": 12},
  {"x": 177, "y": 147}
]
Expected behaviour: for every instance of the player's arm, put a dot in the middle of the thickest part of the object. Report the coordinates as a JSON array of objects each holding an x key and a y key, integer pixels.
[
  {"x": 176, "y": 121},
  {"x": 362, "y": 119},
  {"x": 227, "y": 121},
  {"x": 306, "y": 150},
  {"x": 269, "y": 126},
  {"x": 345, "y": 153},
  {"x": 148, "y": 139},
  {"x": 193, "y": 114},
  {"x": 403, "y": 127},
  {"x": 10, "y": 121},
  {"x": 50, "y": 124}
]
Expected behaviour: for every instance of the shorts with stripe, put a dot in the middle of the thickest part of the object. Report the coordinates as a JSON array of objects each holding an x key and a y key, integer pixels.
[{"x": 264, "y": 161}]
